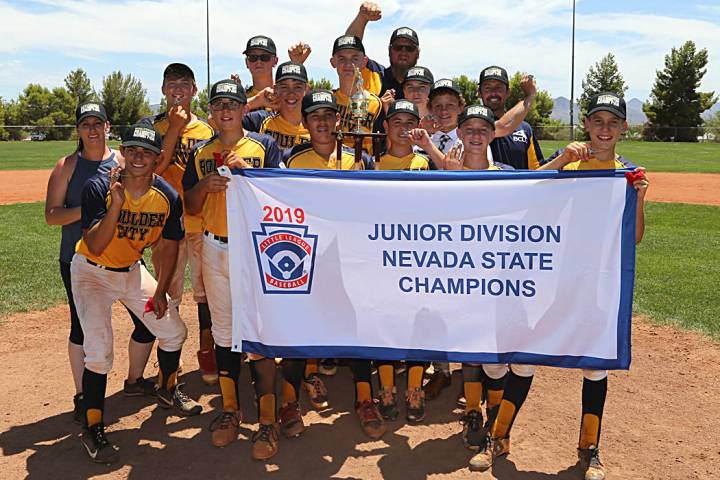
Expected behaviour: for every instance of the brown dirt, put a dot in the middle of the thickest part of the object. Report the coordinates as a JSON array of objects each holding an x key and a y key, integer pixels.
[
  {"x": 23, "y": 186},
  {"x": 699, "y": 188},
  {"x": 662, "y": 420}
]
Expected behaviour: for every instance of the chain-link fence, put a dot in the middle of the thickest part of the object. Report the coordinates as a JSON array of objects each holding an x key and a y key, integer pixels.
[{"x": 542, "y": 132}]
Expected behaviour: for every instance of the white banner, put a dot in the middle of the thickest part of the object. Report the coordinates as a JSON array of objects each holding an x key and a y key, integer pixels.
[{"x": 492, "y": 267}]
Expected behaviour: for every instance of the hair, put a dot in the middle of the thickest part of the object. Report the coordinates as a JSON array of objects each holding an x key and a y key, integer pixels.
[
  {"x": 177, "y": 71},
  {"x": 80, "y": 146}
]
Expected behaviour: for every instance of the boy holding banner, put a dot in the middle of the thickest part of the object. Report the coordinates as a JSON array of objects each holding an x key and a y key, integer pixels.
[
  {"x": 605, "y": 123},
  {"x": 205, "y": 192}
]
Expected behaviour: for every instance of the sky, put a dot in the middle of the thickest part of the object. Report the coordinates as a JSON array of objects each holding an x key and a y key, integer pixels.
[{"x": 44, "y": 40}]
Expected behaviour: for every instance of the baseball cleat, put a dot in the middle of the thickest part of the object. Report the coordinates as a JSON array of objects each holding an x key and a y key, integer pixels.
[
  {"x": 370, "y": 419},
  {"x": 224, "y": 428},
  {"x": 291, "y": 421},
  {"x": 415, "y": 405},
  {"x": 265, "y": 442},
  {"x": 78, "y": 409},
  {"x": 179, "y": 400},
  {"x": 387, "y": 403},
  {"x": 590, "y": 459},
  {"x": 473, "y": 432},
  {"x": 141, "y": 387},
  {"x": 97, "y": 445},
  {"x": 317, "y": 392},
  {"x": 437, "y": 383}
]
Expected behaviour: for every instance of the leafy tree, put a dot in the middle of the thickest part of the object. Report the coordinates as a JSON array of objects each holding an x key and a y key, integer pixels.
[
  {"x": 322, "y": 84},
  {"x": 468, "y": 88},
  {"x": 124, "y": 99},
  {"x": 603, "y": 77},
  {"x": 542, "y": 107},
  {"x": 674, "y": 99},
  {"x": 40, "y": 107},
  {"x": 79, "y": 86},
  {"x": 11, "y": 113}
]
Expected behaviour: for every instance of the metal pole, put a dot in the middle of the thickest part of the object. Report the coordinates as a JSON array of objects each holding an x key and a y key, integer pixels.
[
  {"x": 572, "y": 80},
  {"x": 207, "y": 41}
]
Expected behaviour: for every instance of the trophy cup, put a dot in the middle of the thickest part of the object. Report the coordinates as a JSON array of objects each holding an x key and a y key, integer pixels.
[{"x": 358, "y": 110}]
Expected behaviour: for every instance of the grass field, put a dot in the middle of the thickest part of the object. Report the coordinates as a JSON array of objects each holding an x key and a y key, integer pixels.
[
  {"x": 678, "y": 264},
  {"x": 657, "y": 157}
]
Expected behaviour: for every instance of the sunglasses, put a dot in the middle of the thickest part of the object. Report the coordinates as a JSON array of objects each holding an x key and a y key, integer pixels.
[
  {"x": 406, "y": 48},
  {"x": 219, "y": 105},
  {"x": 265, "y": 57}
]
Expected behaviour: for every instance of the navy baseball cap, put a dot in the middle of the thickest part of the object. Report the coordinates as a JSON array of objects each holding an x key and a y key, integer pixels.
[
  {"x": 178, "y": 70},
  {"x": 494, "y": 73},
  {"x": 608, "y": 102},
  {"x": 261, "y": 42},
  {"x": 420, "y": 74},
  {"x": 405, "y": 32},
  {"x": 403, "y": 106},
  {"x": 477, "y": 111},
  {"x": 318, "y": 99},
  {"x": 228, "y": 89},
  {"x": 445, "y": 84},
  {"x": 143, "y": 135},
  {"x": 292, "y": 70},
  {"x": 347, "y": 42},
  {"x": 90, "y": 109}
]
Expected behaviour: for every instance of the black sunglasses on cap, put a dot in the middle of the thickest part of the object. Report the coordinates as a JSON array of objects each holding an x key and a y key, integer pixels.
[
  {"x": 407, "y": 48},
  {"x": 265, "y": 57}
]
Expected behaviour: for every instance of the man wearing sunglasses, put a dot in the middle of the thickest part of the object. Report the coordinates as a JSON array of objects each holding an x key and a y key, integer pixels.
[
  {"x": 403, "y": 50},
  {"x": 260, "y": 58}
]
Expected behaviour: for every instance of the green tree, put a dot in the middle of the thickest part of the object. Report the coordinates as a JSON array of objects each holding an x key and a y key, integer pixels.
[
  {"x": 675, "y": 105},
  {"x": 79, "y": 86},
  {"x": 38, "y": 106},
  {"x": 603, "y": 77},
  {"x": 11, "y": 113},
  {"x": 322, "y": 84},
  {"x": 542, "y": 107},
  {"x": 124, "y": 99},
  {"x": 468, "y": 88}
]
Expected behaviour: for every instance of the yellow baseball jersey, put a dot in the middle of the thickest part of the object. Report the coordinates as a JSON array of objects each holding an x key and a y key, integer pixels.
[
  {"x": 158, "y": 213},
  {"x": 492, "y": 166},
  {"x": 303, "y": 156},
  {"x": 594, "y": 164},
  {"x": 285, "y": 133},
  {"x": 412, "y": 161},
  {"x": 377, "y": 79},
  {"x": 366, "y": 125},
  {"x": 193, "y": 133},
  {"x": 258, "y": 150}
]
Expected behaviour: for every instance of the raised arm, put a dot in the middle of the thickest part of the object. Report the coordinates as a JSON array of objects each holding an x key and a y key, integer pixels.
[
  {"x": 369, "y": 12},
  {"x": 512, "y": 119}
]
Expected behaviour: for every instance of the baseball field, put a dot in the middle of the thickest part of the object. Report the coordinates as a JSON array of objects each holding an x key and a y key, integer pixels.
[{"x": 662, "y": 416}]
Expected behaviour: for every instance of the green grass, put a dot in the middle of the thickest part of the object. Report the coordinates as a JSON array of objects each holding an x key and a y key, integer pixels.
[
  {"x": 35, "y": 155},
  {"x": 655, "y": 156},
  {"x": 29, "y": 269},
  {"x": 678, "y": 264},
  {"x": 660, "y": 156}
]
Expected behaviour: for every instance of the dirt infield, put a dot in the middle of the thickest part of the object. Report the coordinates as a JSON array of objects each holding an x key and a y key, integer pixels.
[
  {"x": 18, "y": 186},
  {"x": 662, "y": 420}
]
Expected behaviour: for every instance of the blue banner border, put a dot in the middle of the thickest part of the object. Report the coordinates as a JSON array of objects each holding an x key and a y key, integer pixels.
[{"x": 627, "y": 276}]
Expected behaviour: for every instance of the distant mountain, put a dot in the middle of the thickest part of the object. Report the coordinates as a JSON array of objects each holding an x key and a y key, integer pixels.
[
  {"x": 155, "y": 108},
  {"x": 636, "y": 116}
]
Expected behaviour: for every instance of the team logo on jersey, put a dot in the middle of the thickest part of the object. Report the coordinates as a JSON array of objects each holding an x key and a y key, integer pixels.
[
  {"x": 286, "y": 257},
  {"x": 520, "y": 136}
]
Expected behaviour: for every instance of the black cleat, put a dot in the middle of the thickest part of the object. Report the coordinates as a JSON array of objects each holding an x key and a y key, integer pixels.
[{"x": 97, "y": 445}]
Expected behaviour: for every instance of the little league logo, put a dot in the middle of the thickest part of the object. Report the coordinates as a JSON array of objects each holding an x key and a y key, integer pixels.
[{"x": 286, "y": 257}]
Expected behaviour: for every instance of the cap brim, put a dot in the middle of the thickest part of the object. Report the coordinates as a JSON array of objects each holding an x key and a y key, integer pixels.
[
  {"x": 463, "y": 120},
  {"x": 407, "y": 37},
  {"x": 419, "y": 79},
  {"x": 348, "y": 47},
  {"x": 229, "y": 97},
  {"x": 498, "y": 78},
  {"x": 136, "y": 143},
  {"x": 615, "y": 111},
  {"x": 397, "y": 112},
  {"x": 435, "y": 91},
  {"x": 264, "y": 49},
  {"x": 292, "y": 76},
  {"x": 91, "y": 114},
  {"x": 312, "y": 108}
]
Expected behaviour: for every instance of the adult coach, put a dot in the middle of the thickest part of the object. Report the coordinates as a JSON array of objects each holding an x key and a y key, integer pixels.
[
  {"x": 403, "y": 51},
  {"x": 122, "y": 214},
  {"x": 520, "y": 149},
  {"x": 62, "y": 207},
  {"x": 181, "y": 130}
]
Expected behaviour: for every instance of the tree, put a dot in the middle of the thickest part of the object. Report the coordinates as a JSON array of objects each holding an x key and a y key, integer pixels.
[
  {"x": 542, "y": 107},
  {"x": 79, "y": 86},
  {"x": 603, "y": 77},
  {"x": 11, "y": 113},
  {"x": 468, "y": 88},
  {"x": 322, "y": 84},
  {"x": 40, "y": 107},
  {"x": 675, "y": 105},
  {"x": 124, "y": 99}
]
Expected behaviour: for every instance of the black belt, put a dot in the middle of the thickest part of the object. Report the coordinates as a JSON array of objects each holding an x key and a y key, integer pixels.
[
  {"x": 110, "y": 269},
  {"x": 216, "y": 237}
]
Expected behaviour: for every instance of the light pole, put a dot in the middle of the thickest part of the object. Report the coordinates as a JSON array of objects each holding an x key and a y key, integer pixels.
[
  {"x": 207, "y": 42},
  {"x": 572, "y": 79}
]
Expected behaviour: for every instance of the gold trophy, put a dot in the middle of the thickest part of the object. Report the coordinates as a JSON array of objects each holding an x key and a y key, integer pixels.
[{"x": 358, "y": 110}]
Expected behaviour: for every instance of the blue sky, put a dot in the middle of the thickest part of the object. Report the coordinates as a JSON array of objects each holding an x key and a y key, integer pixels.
[{"x": 44, "y": 40}]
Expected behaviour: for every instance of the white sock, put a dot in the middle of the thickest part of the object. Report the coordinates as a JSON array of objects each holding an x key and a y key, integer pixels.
[
  {"x": 76, "y": 354},
  {"x": 138, "y": 354}
]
